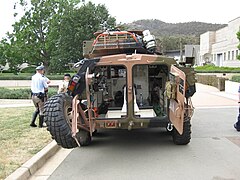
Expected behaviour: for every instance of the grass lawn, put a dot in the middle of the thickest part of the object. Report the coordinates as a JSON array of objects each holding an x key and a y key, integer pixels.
[
  {"x": 217, "y": 69},
  {"x": 18, "y": 141}
]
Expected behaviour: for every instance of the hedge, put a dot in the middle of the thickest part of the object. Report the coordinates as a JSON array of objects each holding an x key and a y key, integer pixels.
[
  {"x": 216, "y": 69},
  {"x": 27, "y": 76},
  {"x": 24, "y": 93},
  {"x": 236, "y": 78}
]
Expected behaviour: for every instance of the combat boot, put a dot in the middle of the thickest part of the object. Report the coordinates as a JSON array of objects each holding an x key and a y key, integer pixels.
[
  {"x": 41, "y": 119},
  {"x": 34, "y": 119},
  {"x": 237, "y": 127}
]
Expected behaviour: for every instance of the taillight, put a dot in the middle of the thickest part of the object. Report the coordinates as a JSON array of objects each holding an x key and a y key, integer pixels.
[
  {"x": 73, "y": 83},
  {"x": 95, "y": 110}
]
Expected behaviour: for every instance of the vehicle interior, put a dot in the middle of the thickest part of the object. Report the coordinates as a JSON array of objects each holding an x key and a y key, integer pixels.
[{"x": 109, "y": 96}]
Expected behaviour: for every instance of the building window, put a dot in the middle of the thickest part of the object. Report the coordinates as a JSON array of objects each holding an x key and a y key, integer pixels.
[
  {"x": 236, "y": 53},
  {"x": 233, "y": 55},
  {"x": 224, "y": 57},
  {"x": 228, "y": 55}
]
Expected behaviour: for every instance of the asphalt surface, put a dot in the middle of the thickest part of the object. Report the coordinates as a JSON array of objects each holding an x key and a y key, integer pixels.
[
  {"x": 213, "y": 152},
  {"x": 151, "y": 154}
]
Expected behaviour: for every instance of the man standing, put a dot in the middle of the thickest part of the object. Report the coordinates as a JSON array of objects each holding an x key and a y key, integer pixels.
[
  {"x": 237, "y": 124},
  {"x": 38, "y": 88}
]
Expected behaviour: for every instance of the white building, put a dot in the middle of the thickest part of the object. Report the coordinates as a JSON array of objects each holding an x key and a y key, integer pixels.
[
  {"x": 220, "y": 47},
  {"x": 193, "y": 51}
]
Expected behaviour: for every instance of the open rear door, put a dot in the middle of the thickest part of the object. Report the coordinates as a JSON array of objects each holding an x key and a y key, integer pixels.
[
  {"x": 176, "y": 107},
  {"x": 88, "y": 78}
]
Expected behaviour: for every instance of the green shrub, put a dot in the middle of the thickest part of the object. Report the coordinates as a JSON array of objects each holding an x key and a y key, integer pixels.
[
  {"x": 217, "y": 69},
  {"x": 24, "y": 93},
  {"x": 11, "y": 76},
  {"x": 29, "y": 69},
  {"x": 52, "y": 91},
  {"x": 235, "y": 78},
  {"x": 28, "y": 76}
]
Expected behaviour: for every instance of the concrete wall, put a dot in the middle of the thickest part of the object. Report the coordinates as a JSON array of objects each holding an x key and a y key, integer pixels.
[
  {"x": 206, "y": 41},
  {"x": 212, "y": 80},
  {"x": 225, "y": 75},
  {"x": 221, "y": 41}
]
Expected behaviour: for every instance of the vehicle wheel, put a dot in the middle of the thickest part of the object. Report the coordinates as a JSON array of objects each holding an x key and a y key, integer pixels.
[
  {"x": 84, "y": 137},
  {"x": 57, "y": 117},
  {"x": 95, "y": 133},
  {"x": 185, "y": 137}
]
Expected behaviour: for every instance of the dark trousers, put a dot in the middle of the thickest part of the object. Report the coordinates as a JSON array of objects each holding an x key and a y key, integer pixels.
[{"x": 238, "y": 122}]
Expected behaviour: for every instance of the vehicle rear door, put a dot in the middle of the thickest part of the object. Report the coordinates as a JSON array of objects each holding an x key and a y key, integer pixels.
[{"x": 176, "y": 106}]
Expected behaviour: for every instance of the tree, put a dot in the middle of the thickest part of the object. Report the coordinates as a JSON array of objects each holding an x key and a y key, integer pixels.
[
  {"x": 75, "y": 27},
  {"x": 173, "y": 42},
  {"x": 238, "y": 36},
  {"x": 51, "y": 32},
  {"x": 11, "y": 53},
  {"x": 30, "y": 40},
  {"x": 2, "y": 58}
]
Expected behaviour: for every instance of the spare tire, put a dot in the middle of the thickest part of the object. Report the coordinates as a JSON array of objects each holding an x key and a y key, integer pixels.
[{"x": 56, "y": 116}]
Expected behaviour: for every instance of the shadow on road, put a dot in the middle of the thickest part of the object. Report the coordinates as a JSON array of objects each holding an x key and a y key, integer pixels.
[{"x": 133, "y": 138}]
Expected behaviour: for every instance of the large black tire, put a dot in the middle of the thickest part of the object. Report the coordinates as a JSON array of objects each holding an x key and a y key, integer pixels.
[
  {"x": 56, "y": 115},
  {"x": 185, "y": 137}
]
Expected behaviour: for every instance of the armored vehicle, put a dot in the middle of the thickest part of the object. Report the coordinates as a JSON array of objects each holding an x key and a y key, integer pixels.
[{"x": 123, "y": 83}]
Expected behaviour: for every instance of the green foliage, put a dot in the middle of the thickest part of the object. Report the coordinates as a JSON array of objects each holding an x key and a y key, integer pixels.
[
  {"x": 238, "y": 36},
  {"x": 11, "y": 76},
  {"x": 235, "y": 78},
  {"x": 160, "y": 28},
  {"x": 216, "y": 69},
  {"x": 173, "y": 42},
  {"x": 74, "y": 28},
  {"x": 24, "y": 93},
  {"x": 29, "y": 70},
  {"x": 28, "y": 76},
  {"x": 170, "y": 34},
  {"x": 19, "y": 141},
  {"x": 2, "y": 58},
  {"x": 51, "y": 32},
  {"x": 14, "y": 93},
  {"x": 30, "y": 40},
  {"x": 52, "y": 91}
]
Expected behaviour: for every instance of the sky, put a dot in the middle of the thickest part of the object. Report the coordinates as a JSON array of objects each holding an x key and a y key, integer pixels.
[{"x": 171, "y": 11}]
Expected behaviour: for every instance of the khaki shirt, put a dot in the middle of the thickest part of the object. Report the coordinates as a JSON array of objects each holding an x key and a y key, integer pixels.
[{"x": 63, "y": 87}]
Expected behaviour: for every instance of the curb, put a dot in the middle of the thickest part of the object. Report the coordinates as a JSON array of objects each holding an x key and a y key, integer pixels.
[{"x": 32, "y": 165}]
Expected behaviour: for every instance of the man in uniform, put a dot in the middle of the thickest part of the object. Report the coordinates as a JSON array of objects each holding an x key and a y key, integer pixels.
[{"x": 38, "y": 88}]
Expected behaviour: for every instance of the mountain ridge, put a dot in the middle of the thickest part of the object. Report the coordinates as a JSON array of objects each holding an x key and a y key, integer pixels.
[{"x": 161, "y": 28}]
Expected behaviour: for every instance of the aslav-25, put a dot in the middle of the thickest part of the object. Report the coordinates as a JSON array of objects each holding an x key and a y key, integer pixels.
[{"x": 123, "y": 83}]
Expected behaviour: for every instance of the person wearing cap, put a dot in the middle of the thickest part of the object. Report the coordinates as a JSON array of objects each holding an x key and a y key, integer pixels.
[
  {"x": 64, "y": 85},
  {"x": 38, "y": 87}
]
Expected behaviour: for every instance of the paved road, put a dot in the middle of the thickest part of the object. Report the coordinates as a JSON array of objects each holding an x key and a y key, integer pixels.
[{"x": 150, "y": 154}]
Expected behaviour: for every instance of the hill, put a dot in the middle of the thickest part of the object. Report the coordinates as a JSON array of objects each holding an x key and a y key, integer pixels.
[
  {"x": 170, "y": 35},
  {"x": 160, "y": 28}
]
